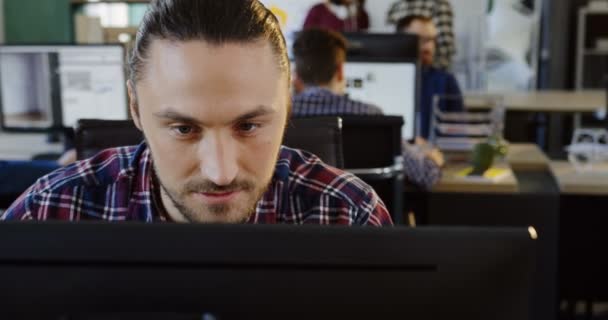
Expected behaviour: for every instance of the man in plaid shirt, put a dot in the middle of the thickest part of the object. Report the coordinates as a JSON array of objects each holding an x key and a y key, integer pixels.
[
  {"x": 442, "y": 14},
  {"x": 319, "y": 57},
  {"x": 209, "y": 88}
]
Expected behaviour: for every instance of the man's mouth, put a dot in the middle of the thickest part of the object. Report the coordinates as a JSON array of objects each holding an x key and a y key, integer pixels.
[{"x": 218, "y": 197}]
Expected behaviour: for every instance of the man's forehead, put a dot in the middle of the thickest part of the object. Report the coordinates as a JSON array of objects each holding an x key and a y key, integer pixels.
[{"x": 170, "y": 55}]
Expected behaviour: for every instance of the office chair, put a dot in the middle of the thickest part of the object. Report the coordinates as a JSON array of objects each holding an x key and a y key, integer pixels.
[
  {"x": 94, "y": 135},
  {"x": 373, "y": 151},
  {"x": 321, "y": 136}
]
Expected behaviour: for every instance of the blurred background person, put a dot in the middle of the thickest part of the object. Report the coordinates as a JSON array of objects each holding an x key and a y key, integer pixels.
[
  {"x": 319, "y": 73},
  {"x": 434, "y": 81},
  {"x": 442, "y": 14},
  {"x": 338, "y": 15}
]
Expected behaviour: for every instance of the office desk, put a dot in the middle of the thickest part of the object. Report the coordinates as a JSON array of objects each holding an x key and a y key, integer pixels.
[
  {"x": 450, "y": 182},
  {"x": 522, "y": 107},
  {"x": 520, "y": 157},
  {"x": 583, "y": 223},
  {"x": 547, "y": 101},
  {"x": 534, "y": 202},
  {"x": 570, "y": 181},
  {"x": 527, "y": 157}
]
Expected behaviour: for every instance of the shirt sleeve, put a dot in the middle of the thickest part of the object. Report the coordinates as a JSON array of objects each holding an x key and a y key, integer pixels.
[
  {"x": 396, "y": 11},
  {"x": 312, "y": 18},
  {"x": 418, "y": 169},
  {"x": 362, "y": 19},
  {"x": 444, "y": 18},
  {"x": 21, "y": 209},
  {"x": 373, "y": 212}
]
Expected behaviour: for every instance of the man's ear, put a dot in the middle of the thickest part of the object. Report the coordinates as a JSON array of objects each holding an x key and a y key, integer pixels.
[
  {"x": 340, "y": 72},
  {"x": 297, "y": 83},
  {"x": 133, "y": 105}
]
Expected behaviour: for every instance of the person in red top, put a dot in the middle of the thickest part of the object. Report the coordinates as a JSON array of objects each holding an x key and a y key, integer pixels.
[{"x": 338, "y": 15}]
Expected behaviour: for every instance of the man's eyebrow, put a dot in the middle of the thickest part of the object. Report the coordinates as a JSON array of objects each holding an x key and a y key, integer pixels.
[
  {"x": 171, "y": 114},
  {"x": 175, "y": 116},
  {"x": 258, "y": 112}
]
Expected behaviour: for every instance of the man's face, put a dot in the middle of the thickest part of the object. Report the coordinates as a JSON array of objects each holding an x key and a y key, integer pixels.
[
  {"x": 213, "y": 117},
  {"x": 427, "y": 32}
]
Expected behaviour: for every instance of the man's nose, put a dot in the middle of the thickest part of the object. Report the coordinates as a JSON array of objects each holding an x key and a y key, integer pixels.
[{"x": 218, "y": 159}]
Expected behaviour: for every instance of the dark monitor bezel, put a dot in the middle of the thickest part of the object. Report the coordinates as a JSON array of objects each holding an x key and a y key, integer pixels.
[
  {"x": 57, "y": 125},
  {"x": 45, "y": 267}
]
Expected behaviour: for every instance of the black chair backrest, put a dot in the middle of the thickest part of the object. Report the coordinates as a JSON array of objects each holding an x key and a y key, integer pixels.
[
  {"x": 373, "y": 151},
  {"x": 321, "y": 136},
  {"x": 371, "y": 141},
  {"x": 94, "y": 135}
]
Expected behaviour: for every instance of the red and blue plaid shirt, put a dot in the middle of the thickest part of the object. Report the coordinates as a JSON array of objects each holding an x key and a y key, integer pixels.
[{"x": 117, "y": 185}]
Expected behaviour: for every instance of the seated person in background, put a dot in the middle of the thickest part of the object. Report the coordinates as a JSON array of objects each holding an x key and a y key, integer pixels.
[
  {"x": 338, "y": 15},
  {"x": 434, "y": 81},
  {"x": 319, "y": 58},
  {"x": 209, "y": 88},
  {"x": 443, "y": 16}
]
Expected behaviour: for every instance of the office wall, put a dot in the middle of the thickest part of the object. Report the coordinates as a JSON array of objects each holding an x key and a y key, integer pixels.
[
  {"x": 37, "y": 21},
  {"x": 2, "y": 21}
]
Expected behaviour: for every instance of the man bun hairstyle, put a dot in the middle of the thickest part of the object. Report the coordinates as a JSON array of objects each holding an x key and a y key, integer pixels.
[{"x": 213, "y": 21}]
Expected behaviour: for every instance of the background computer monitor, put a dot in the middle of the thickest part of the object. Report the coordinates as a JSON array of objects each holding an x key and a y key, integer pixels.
[
  {"x": 386, "y": 46},
  {"x": 266, "y": 271},
  {"x": 383, "y": 69},
  {"x": 45, "y": 87}
]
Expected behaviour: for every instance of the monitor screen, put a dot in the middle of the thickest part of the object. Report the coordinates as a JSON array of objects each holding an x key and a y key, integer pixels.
[
  {"x": 47, "y": 86},
  {"x": 264, "y": 271},
  {"x": 383, "y": 70},
  {"x": 389, "y": 85}
]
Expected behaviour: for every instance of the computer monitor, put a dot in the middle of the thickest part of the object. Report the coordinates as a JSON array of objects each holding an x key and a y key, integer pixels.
[
  {"x": 385, "y": 46},
  {"x": 383, "y": 69},
  {"x": 264, "y": 271},
  {"x": 44, "y": 87}
]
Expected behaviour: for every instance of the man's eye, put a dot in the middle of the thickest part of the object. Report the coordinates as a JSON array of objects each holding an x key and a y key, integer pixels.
[
  {"x": 247, "y": 127},
  {"x": 183, "y": 130}
]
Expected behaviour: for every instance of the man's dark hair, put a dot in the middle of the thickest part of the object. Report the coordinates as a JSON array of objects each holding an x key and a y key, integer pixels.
[
  {"x": 213, "y": 21},
  {"x": 407, "y": 21},
  {"x": 317, "y": 53}
]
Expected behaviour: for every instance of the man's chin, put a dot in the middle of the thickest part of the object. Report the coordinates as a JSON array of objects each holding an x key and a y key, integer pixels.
[
  {"x": 219, "y": 218},
  {"x": 219, "y": 214}
]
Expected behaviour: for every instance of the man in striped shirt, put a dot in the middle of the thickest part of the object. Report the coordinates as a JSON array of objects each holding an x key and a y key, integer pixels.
[
  {"x": 209, "y": 88},
  {"x": 319, "y": 57}
]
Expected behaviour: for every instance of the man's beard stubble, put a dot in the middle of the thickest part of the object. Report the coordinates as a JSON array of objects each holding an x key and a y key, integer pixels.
[{"x": 206, "y": 186}]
